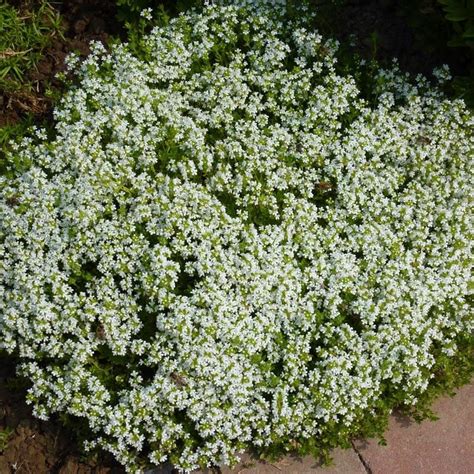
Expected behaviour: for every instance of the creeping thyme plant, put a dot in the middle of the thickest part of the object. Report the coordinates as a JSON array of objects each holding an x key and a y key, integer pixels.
[{"x": 225, "y": 246}]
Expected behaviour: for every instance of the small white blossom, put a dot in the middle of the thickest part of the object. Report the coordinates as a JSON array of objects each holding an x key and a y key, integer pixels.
[{"x": 147, "y": 13}]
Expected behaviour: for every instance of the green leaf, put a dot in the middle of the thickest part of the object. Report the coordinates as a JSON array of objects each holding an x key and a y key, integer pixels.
[
  {"x": 457, "y": 16},
  {"x": 469, "y": 31},
  {"x": 456, "y": 42},
  {"x": 4, "y": 72}
]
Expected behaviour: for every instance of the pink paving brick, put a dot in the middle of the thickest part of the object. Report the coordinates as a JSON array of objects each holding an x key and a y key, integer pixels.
[
  {"x": 445, "y": 446},
  {"x": 344, "y": 462}
]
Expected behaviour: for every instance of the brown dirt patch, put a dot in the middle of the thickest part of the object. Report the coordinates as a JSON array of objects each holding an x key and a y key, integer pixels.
[{"x": 38, "y": 447}]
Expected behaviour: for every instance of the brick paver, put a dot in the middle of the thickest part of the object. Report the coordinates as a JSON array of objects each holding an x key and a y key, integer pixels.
[
  {"x": 345, "y": 461},
  {"x": 444, "y": 446}
]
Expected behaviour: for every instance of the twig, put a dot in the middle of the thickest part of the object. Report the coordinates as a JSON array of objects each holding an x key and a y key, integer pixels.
[
  {"x": 9, "y": 52},
  {"x": 275, "y": 466}
]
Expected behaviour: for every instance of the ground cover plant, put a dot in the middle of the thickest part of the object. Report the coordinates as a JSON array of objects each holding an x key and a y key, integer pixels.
[{"x": 225, "y": 245}]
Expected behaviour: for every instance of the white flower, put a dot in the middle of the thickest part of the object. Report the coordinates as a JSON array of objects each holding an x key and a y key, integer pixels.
[
  {"x": 442, "y": 74},
  {"x": 147, "y": 13},
  {"x": 226, "y": 245}
]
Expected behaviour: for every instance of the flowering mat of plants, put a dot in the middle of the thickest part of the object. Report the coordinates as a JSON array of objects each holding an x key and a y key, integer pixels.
[
  {"x": 442, "y": 446},
  {"x": 232, "y": 242}
]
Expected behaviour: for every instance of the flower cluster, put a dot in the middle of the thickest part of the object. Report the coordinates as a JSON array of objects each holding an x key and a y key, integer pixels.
[{"x": 225, "y": 245}]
